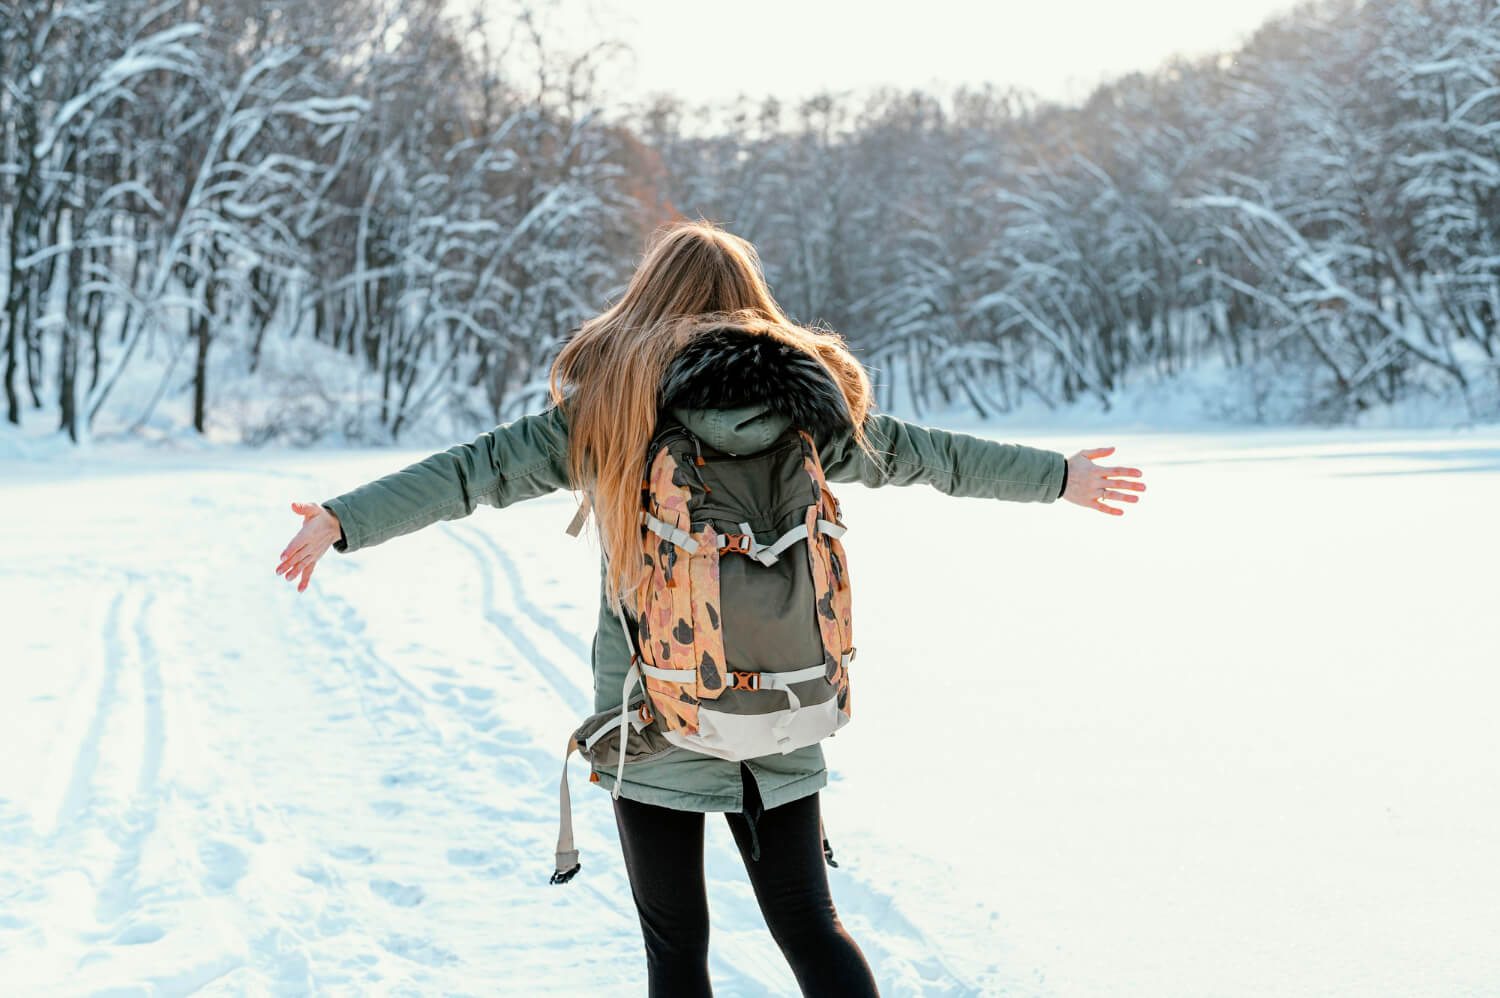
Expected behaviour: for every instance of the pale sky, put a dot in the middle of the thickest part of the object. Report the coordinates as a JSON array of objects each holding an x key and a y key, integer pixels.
[{"x": 711, "y": 51}]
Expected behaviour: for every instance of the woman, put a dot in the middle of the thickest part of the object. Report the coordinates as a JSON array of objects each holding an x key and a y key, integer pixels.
[{"x": 697, "y": 335}]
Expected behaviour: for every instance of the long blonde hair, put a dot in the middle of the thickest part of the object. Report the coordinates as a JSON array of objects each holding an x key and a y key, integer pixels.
[{"x": 695, "y": 277}]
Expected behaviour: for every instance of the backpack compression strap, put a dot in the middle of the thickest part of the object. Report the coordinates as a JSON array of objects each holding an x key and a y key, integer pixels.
[{"x": 766, "y": 554}]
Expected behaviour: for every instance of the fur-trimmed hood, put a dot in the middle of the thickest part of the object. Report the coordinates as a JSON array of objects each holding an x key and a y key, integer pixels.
[{"x": 731, "y": 369}]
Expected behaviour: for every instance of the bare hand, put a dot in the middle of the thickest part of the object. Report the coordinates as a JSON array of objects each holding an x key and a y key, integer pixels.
[
  {"x": 320, "y": 529},
  {"x": 1092, "y": 486}
]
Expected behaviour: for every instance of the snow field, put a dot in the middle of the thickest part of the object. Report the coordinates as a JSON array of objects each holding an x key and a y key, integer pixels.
[{"x": 1237, "y": 742}]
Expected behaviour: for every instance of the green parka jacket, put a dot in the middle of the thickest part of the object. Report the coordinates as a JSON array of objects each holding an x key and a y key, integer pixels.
[{"x": 528, "y": 458}]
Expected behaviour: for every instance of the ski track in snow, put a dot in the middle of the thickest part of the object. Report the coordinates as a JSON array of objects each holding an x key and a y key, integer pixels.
[
  {"x": 296, "y": 798},
  {"x": 487, "y": 555},
  {"x": 217, "y": 786},
  {"x": 87, "y": 760}
]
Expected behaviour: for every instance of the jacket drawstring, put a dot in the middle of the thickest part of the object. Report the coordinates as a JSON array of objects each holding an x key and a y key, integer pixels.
[{"x": 753, "y": 808}]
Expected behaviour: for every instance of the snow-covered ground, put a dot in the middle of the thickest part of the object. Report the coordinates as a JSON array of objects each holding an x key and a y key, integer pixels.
[{"x": 1239, "y": 742}]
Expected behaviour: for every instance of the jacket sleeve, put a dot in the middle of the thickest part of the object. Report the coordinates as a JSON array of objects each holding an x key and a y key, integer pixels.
[
  {"x": 519, "y": 460},
  {"x": 958, "y": 464}
]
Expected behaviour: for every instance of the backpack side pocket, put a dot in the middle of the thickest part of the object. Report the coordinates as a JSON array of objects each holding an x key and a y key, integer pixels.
[
  {"x": 831, "y": 584},
  {"x": 666, "y": 633},
  {"x": 708, "y": 630}
]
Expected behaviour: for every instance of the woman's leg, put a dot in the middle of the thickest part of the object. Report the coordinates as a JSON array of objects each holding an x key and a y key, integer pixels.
[
  {"x": 664, "y": 861},
  {"x": 783, "y": 853}
]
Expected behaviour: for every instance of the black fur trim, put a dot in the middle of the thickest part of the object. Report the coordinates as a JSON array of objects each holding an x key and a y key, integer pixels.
[{"x": 727, "y": 369}]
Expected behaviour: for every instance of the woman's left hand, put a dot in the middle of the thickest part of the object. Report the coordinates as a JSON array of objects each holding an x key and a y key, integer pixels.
[{"x": 1093, "y": 486}]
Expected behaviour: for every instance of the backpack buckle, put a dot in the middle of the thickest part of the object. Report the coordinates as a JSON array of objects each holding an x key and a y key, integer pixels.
[
  {"x": 744, "y": 681},
  {"x": 738, "y": 543}
]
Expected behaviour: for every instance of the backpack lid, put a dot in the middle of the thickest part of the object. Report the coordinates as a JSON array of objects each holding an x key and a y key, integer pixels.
[{"x": 739, "y": 431}]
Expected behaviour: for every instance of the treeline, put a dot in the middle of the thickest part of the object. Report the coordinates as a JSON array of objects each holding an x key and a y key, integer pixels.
[
  {"x": 363, "y": 173},
  {"x": 1318, "y": 212}
]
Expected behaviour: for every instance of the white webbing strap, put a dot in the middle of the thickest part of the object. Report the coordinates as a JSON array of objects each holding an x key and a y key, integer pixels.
[
  {"x": 631, "y": 678},
  {"x": 636, "y": 724},
  {"x": 767, "y": 554},
  {"x": 625, "y": 628},
  {"x": 667, "y": 532},
  {"x": 784, "y": 680},
  {"x": 670, "y": 675},
  {"x": 567, "y": 852},
  {"x": 567, "y": 855}
]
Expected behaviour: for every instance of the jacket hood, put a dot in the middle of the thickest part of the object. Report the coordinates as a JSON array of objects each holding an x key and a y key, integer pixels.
[{"x": 740, "y": 391}]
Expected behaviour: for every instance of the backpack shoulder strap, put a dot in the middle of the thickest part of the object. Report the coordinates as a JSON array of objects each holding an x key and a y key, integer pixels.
[{"x": 585, "y": 506}]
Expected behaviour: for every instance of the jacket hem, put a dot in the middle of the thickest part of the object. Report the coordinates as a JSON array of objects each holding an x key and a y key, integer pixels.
[
  {"x": 676, "y": 799},
  {"x": 694, "y": 800},
  {"x": 795, "y": 790}
]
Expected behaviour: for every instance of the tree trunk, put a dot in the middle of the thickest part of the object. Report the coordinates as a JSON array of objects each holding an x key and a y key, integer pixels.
[
  {"x": 203, "y": 332},
  {"x": 23, "y": 234},
  {"x": 12, "y": 400},
  {"x": 39, "y": 291},
  {"x": 67, "y": 361}
]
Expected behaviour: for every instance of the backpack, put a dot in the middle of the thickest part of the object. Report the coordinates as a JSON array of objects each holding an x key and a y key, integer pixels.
[{"x": 740, "y": 629}]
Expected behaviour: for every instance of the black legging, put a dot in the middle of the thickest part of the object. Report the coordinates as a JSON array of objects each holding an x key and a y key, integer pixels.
[{"x": 783, "y": 853}]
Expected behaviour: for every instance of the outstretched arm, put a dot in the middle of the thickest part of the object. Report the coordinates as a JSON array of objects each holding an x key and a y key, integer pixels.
[
  {"x": 516, "y": 461},
  {"x": 961, "y": 464},
  {"x": 958, "y": 464}
]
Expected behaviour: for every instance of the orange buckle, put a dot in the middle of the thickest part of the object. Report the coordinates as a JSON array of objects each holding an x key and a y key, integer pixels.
[
  {"x": 744, "y": 680},
  {"x": 645, "y": 717},
  {"x": 739, "y": 543}
]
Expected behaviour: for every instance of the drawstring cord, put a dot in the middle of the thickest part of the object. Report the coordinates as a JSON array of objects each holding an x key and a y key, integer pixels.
[
  {"x": 698, "y": 450},
  {"x": 752, "y": 808}
]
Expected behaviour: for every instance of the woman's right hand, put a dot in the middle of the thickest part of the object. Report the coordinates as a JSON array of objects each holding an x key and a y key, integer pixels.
[{"x": 320, "y": 528}]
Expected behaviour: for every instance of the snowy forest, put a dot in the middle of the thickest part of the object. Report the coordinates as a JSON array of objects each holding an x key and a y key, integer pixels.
[{"x": 300, "y": 219}]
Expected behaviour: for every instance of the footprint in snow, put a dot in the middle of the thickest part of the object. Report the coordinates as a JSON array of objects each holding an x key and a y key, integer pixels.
[
  {"x": 224, "y": 865},
  {"x": 418, "y": 950},
  {"x": 317, "y": 874},
  {"x": 400, "y": 895},
  {"x": 468, "y": 857},
  {"x": 406, "y": 778},
  {"x": 517, "y": 772},
  {"x": 352, "y": 854},
  {"x": 136, "y": 935},
  {"x": 482, "y": 862}
]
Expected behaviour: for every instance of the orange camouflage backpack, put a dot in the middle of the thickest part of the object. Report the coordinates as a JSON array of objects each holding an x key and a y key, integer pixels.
[{"x": 741, "y": 629}]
